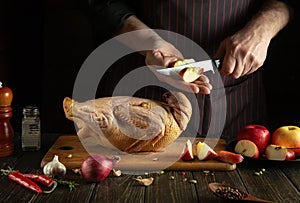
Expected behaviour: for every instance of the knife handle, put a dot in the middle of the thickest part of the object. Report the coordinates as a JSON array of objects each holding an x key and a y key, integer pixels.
[{"x": 218, "y": 63}]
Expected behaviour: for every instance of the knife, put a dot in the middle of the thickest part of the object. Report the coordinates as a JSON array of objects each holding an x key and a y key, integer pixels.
[{"x": 207, "y": 65}]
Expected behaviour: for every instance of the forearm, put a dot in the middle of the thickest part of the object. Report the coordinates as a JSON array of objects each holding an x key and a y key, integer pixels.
[
  {"x": 273, "y": 17},
  {"x": 143, "y": 38}
]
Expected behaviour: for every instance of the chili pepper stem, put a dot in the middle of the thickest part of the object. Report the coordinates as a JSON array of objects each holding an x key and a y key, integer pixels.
[
  {"x": 54, "y": 185},
  {"x": 6, "y": 171}
]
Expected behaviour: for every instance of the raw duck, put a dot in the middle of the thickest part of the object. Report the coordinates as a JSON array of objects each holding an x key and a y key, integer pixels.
[{"x": 132, "y": 124}]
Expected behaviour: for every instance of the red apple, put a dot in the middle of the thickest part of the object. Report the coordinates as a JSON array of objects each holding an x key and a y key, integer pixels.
[
  {"x": 187, "y": 154},
  {"x": 290, "y": 154},
  {"x": 288, "y": 136},
  {"x": 297, "y": 152},
  {"x": 204, "y": 151},
  {"x": 258, "y": 134},
  {"x": 247, "y": 148},
  {"x": 279, "y": 153},
  {"x": 230, "y": 157}
]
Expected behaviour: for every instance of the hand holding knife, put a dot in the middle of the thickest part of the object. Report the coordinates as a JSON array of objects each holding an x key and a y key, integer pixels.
[{"x": 200, "y": 66}]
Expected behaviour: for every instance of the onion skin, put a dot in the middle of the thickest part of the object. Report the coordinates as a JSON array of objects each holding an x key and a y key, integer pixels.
[{"x": 96, "y": 167}]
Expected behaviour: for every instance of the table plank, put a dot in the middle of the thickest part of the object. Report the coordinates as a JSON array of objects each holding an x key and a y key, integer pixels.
[
  {"x": 118, "y": 189},
  {"x": 272, "y": 185},
  {"x": 291, "y": 170},
  {"x": 167, "y": 189}
]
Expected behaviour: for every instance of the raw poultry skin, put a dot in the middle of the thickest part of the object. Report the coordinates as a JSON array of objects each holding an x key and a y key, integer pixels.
[{"x": 132, "y": 124}]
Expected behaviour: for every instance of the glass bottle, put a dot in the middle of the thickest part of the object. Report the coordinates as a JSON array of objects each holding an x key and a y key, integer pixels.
[{"x": 31, "y": 129}]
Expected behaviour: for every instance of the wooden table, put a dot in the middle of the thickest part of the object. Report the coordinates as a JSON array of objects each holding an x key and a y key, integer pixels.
[{"x": 279, "y": 183}]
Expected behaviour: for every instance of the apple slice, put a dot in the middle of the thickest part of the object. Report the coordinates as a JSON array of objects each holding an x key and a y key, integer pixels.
[
  {"x": 204, "y": 151},
  {"x": 190, "y": 74},
  {"x": 279, "y": 153},
  {"x": 187, "y": 154},
  {"x": 230, "y": 157},
  {"x": 247, "y": 148},
  {"x": 181, "y": 62}
]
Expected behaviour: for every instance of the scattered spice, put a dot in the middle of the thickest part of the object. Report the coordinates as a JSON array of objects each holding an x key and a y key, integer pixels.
[
  {"x": 171, "y": 177},
  {"x": 256, "y": 173},
  {"x": 160, "y": 172},
  {"x": 193, "y": 181},
  {"x": 259, "y": 171}
]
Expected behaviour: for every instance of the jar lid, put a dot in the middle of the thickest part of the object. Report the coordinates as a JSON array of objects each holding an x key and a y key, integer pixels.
[{"x": 31, "y": 110}]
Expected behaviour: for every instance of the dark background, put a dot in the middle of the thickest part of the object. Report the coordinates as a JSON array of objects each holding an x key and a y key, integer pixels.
[{"x": 44, "y": 43}]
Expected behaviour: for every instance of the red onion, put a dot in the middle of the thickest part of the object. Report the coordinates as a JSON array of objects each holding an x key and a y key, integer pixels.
[{"x": 96, "y": 167}]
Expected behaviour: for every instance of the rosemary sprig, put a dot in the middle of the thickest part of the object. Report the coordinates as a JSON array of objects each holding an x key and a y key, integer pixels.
[{"x": 70, "y": 184}]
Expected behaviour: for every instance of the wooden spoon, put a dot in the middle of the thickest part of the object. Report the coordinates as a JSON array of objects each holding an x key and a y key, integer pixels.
[{"x": 233, "y": 193}]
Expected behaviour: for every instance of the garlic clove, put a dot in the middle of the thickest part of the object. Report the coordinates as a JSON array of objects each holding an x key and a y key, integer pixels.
[
  {"x": 145, "y": 181},
  {"x": 55, "y": 168},
  {"x": 117, "y": 172}
]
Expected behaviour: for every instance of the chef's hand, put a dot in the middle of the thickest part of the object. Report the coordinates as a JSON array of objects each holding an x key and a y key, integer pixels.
[
  {"x": 246, "y": 51},
  {"x": 164, "y": 54},
  {"x": 242, "y": 53}
]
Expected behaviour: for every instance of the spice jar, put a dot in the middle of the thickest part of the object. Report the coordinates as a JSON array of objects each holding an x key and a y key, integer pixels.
[
  {"x": 31, "y": 129},
  {"x": 6, "y": 131}
]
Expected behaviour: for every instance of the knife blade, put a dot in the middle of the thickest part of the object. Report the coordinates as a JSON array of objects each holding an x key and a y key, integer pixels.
[{"x": 207, "y": 65}]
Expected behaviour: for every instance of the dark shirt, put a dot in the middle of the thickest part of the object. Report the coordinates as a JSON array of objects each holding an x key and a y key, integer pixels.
[{"x": 206, "y": 22}]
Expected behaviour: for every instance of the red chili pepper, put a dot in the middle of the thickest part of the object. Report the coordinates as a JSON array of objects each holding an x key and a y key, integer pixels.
[
  {"x": 18, "y": 177},
  {"x": 45, "y": 180}
]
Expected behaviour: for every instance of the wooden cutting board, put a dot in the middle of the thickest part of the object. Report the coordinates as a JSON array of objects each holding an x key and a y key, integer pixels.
[{"x": 71, "y": 153}]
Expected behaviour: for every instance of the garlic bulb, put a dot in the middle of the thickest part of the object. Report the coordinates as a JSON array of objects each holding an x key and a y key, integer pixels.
[{"x": 54, "y": 168}]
